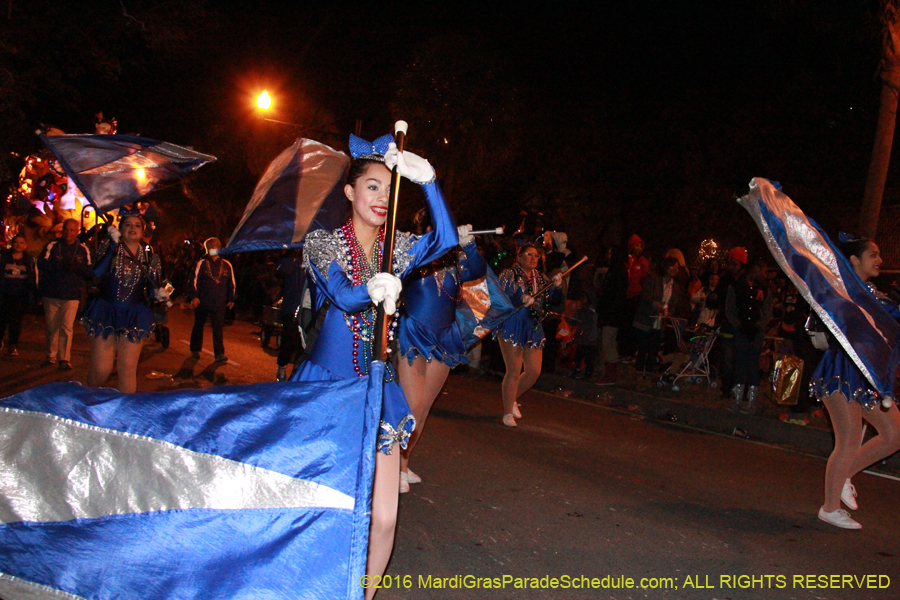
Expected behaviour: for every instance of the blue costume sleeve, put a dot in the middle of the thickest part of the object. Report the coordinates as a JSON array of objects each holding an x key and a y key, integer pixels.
[
  {"x": 339, "y": 290},
  {"x": 154, "y": 270},
  {"x": 102, "y": 266},
  {"x": 440, "y": 239},
  {"x": 512, "y": 291},
  {"x": 473, "y": 266}
]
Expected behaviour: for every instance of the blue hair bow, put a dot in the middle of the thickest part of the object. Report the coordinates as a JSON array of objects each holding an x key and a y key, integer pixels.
[{"x": 360, "y": 148}]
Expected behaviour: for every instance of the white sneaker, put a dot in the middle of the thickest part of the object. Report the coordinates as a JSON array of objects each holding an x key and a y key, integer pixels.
[
  {"x": 404, "y": 482},
  {"x": 848, "y": 495},
  {"x": 515, "y": 411},
  {"x": 412, "y": 477},
  {"x": 839, "y": 518},
  {"x": 509, "y": 421}
]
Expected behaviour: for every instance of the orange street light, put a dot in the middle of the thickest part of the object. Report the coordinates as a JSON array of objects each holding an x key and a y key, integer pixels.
[{"x": 264, "y": 101}]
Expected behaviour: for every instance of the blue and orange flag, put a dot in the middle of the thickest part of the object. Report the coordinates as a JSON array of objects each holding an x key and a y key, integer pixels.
[
  {"x": 258, "y": 491},
  {"x": 114, "y": 170}
]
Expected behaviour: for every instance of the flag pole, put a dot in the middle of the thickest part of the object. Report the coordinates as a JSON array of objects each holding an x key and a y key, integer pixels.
[{"x": 379, "y": 352}]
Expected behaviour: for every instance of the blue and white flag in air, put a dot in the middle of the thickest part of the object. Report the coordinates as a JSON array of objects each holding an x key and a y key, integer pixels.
[
  {"x": 301, "y": 190},
  {"x": 825, "y": 279},
  {"x": 114, "y": 170},
  {"x": 254, "y": 492}
]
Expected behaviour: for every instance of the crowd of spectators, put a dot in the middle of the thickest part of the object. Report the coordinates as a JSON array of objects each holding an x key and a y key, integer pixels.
[
  {"x": 621, "y": 309},
  {"x": 618, "y": 309}
]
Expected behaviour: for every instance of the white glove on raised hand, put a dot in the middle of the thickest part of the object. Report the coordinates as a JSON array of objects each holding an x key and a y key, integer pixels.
[
  {"x": 114, "y": 233},
  {"x": 413, "y": 167},
  {"x": 384, "y": 287},
  {"x": 463, "y": 232}
]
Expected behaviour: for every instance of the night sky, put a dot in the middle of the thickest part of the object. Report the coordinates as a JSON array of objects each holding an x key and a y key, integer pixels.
[{"x": 645, "y": 117}]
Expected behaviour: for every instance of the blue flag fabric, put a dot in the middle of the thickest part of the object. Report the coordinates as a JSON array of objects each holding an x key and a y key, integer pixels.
[
  {"x": 251, "y": 492},
  {"x": 301, "y": 190},
  {"x": 115, "y": 170},
  {"x": 483, "y": 307},
  {"x": 825, "y": 279}
]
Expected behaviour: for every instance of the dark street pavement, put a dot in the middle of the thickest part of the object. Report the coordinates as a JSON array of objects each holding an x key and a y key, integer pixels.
[
  {"x": 583, "y": 490},
  {"x": 614, "y": 485}
]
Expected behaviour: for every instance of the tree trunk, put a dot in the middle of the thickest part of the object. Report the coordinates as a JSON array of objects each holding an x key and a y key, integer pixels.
[{"x": 887, "y": 120}]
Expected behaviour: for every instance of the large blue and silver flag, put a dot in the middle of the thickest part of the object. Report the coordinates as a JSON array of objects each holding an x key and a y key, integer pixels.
[
  {"x": 301, "y": 190},
  {"x": 252, "y": 492},
  {"x": 114, "y": 170},
  {"x": 825, "y": 279}
]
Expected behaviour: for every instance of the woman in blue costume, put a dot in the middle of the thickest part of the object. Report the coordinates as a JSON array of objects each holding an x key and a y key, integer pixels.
[
  {"x": 120, "y": 319},
  {"x": 521, "y": 336},
  {"x": 849, "y": 398},
  {"x": 343, "y": 265},
  {"x": 429, "y": 338}
]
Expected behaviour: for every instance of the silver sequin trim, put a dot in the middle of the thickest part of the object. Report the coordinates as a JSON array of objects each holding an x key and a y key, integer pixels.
[
  {"x": 511, "y": 338},
  {"x": 324, "y": 247},
  {"x": 403, "y": 254},
  {"x": 388, "y": 436},
  {"x": 867, "y": 398}
]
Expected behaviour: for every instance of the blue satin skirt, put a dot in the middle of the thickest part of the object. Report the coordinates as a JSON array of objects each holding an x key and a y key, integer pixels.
[
  {"x": 444, "y": 344},
  {"x": 133, "y": 320},
  {"x": 521, "y": 330},
  {"x": 837, "y": 373}
]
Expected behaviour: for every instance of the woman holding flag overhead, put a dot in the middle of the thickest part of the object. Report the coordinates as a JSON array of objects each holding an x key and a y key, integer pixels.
[
  {"x": 120, "y": 319},
  {"x": 521, "y": 336},
  {"x": 343, "y": 265},
  {"x": 855, "y": 378},
  {"x": 850, "y": 399}
]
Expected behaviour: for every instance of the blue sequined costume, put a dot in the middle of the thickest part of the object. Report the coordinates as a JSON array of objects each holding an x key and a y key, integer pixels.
[
  {"x": 523, "y": 328},
  {"x": 427, "y": 325},
  {"x": 837, "y": 372},
  {"x": 326, "y": 257},
  {"x": 122, "y": 307}
]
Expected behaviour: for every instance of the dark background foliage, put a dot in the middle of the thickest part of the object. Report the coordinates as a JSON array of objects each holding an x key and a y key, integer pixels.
[{"x": 634, "y": 117}]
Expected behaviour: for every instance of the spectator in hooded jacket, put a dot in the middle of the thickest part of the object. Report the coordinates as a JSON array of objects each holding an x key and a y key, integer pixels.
[
  {"x": 63, "y": 268},
  {"x": 211, "y": 291},
  {"x": 638, "y": 267}
]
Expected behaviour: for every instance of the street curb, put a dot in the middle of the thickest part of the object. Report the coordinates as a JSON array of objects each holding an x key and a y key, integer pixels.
[{"x": 810, "y": 440}]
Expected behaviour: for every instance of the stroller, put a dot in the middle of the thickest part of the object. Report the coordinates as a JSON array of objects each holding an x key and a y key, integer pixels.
[{"x": 695, "y": 344}]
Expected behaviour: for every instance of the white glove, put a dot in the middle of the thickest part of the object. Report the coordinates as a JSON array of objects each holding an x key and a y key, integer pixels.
[
  {"x": 463, "y": 232},
  {"x": 160, "y": 294},
  {"x": 114, "y": 233},
  {"x": 384, "y": 287},
  {"x": 413, "y": 167}
]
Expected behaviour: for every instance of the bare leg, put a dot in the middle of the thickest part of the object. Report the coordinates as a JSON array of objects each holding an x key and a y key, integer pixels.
[
  {"x": 412, "y": 380},
  {"x": 129, "y": 354},
  {"x": 532, "y": 358},
  {"x": 384, "y": 515},
  {"x": 436, "y": 374},
  {"x": 513, "y": 359},
  {"x": 887, "y": 423},
  {"x": 103, "y": 354},
  {"x": 421, "y": 382},
  {"x": 846, "y": 419}
]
